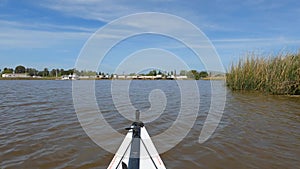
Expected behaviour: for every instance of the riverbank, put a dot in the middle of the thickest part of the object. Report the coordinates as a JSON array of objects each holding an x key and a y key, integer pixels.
[
  {"x": 29, "y": 78},
  {"x": 54, "y": 78},
  {"x": 278, "y": 75},
  {"x": 214, "y": 78}
]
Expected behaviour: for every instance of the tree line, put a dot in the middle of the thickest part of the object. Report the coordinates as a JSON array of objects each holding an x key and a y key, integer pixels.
[
  {"x": 45, "y": 72},
  {"x": 193, "y": 74}
]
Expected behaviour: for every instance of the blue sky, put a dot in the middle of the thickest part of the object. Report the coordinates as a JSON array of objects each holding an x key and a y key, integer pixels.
[{"x": 51, "y": 33}]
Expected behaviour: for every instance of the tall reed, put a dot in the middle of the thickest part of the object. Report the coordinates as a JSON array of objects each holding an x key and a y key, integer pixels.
[{"x": 276, "y": 74}]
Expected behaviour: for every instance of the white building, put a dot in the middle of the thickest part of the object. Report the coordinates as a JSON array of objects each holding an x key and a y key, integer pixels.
[
  {"x": 15, "y": 75},
  {"x": 122, "y": 77},
  {"x": 181, "y": 77},
  {"x": 69, "y": 77}
]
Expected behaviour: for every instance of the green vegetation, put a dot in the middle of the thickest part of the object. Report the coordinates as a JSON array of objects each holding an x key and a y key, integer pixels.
[
  {"x": 45, "y": 73},
  {"x": 8, "y": 70},
  {"x": 197, "y": 75},
  {"x": 194, "y": 74},
  {"x": 21, "y": 72},
  {"x": 154, "y": 73},
  {"x": 20, "y": 69},
  {"x": 276, "y": 75}
]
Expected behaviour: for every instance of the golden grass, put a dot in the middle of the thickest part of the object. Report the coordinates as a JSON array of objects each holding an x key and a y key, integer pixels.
[{"x": 276, "y": 75}]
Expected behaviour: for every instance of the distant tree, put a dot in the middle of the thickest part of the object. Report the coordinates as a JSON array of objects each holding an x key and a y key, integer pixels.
[
  {"x": 72, "y": 71},
  {"x": 87, "y": 73},
  {"x": 46, "y": 72},
  {"x": 152, "y": 73},
  {"x": 20, "y": 69},
  {"x": 77, "y": 72},
  {"x": 53, "y": 72},
  {"x": 203, "y": 74},
  {"x": 31, "y": 71},
  {"x": 69, "y": 72},
  {"x": 195, "y": 74},
  {"x": 40, "y": 73},
  {"x": 8, "y": 70},
  {"x": 62, "y": 72}
]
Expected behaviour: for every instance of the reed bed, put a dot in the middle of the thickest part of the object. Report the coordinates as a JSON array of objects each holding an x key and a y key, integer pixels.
[{"x": 274, "y": 74}]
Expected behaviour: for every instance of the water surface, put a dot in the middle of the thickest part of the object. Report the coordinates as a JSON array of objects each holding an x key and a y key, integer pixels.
[{"x": 39, "y": 127}]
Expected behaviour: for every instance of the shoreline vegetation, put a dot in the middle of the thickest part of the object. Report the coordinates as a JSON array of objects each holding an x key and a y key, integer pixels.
[
  {"x": 278, "y": 75},
  {"x": 92, "y": 78},
  {"x": 53, "y": 78},
  {"x": 22, "y": 73}
]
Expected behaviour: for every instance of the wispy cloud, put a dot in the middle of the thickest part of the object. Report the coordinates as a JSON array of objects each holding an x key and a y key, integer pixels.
[
  {"x": 17, "y": 34},
  {"x": 44, "y": 26},
  {"x": 109, "y": 10},
  {"x": 90, "y": 9},
  {"x": 256, "y": 42},
  {"x": 18, "y": 38},
  {"x": 243, "y": 40}
]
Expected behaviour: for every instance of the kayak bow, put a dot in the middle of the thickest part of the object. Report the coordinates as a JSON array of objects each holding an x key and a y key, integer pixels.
[{"x": 137, "y": 150}]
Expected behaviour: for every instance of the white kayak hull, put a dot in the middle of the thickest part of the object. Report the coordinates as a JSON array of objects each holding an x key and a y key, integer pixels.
[{"x": 137, "y": 151}]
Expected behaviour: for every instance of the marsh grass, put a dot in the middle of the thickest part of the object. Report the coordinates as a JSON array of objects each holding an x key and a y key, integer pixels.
[{"x": 275, "y": 74}]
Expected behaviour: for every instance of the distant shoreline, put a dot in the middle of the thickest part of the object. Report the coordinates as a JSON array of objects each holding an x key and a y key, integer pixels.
[
  {"x": 28, "y": 78},
  {"x": 54, "y": 78}
]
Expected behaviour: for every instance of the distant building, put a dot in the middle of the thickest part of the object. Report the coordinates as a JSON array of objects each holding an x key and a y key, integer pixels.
[
  {"x": 115, "y": 76},
  {"x": 87, "y": 77},
  {"x": 181, "y": 77},
  {"x": 132, "y": 77},
  {"x": 158, "y": 77},
  {"x": 15, "y": 75},
  {"x": 69, "y": 77},
  {"x": 122, "y": 77},
  {"x": 171, "y": 77}
]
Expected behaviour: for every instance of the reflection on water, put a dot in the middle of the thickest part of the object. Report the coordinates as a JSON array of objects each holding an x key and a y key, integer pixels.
[{"x": 39, "y": 127}]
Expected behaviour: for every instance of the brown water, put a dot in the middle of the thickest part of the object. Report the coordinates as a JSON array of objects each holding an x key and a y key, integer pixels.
[{"x": 39, "y": 128}]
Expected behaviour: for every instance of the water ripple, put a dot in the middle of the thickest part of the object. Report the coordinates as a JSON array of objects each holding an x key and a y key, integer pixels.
[{"x": 39, "y": 127}]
